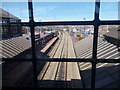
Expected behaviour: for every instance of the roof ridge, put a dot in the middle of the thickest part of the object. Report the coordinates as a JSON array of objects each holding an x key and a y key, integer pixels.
[{"x": 4, "y": 13}]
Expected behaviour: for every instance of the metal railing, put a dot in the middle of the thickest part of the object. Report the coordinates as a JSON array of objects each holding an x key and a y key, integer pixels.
[{"x": 96, "y": 23}]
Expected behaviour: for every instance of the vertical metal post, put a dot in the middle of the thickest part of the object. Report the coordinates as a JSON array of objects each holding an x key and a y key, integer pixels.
[
  {"x": 93, "y": 74},
  {"x": 9, "y": 30},
  {"x": 95, "y": 40},
  {"x": 118, "y": 43},
  {"x": 32, "y": 25}
]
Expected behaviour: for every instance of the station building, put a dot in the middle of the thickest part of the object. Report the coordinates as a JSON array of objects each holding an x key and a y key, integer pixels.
[{"x": 7, "y": 29}]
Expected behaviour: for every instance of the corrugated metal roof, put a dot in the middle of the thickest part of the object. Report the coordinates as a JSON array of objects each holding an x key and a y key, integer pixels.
[
  {"x": 14, "y": 46},
  {"x": 113, "y": 33},
  {"x": 106, "y": 73}
]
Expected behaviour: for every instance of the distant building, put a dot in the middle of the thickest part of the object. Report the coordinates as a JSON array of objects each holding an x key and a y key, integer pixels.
[
  {"x": 74, "y": 30},
  {"x": 8, "y": 30}
]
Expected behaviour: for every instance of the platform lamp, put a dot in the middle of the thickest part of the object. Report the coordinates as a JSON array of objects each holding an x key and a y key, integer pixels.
[{"x": 84, "y": 26}]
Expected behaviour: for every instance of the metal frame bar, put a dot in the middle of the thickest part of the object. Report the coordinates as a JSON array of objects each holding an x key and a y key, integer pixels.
[
  {"x": 103, "y": 22},
  {"x": 95, "y": 41},
  {"x": 32, "y": 25},
  {"x": 64, "y": 60},
  {"x": 96, "y": 23}
]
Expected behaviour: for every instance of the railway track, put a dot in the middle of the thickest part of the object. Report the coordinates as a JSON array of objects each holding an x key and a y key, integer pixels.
[
  {"x": 60, "y": 79},
  {"x": 60, "y": 74},
  {"x": 50, "y": 54},
  {"x": 54, "y": 53}
]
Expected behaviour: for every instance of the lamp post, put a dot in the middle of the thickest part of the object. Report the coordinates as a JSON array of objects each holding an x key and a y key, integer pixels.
[
  {"x": 84, "y": 26},
  {"x": 40, "y": 29}
]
